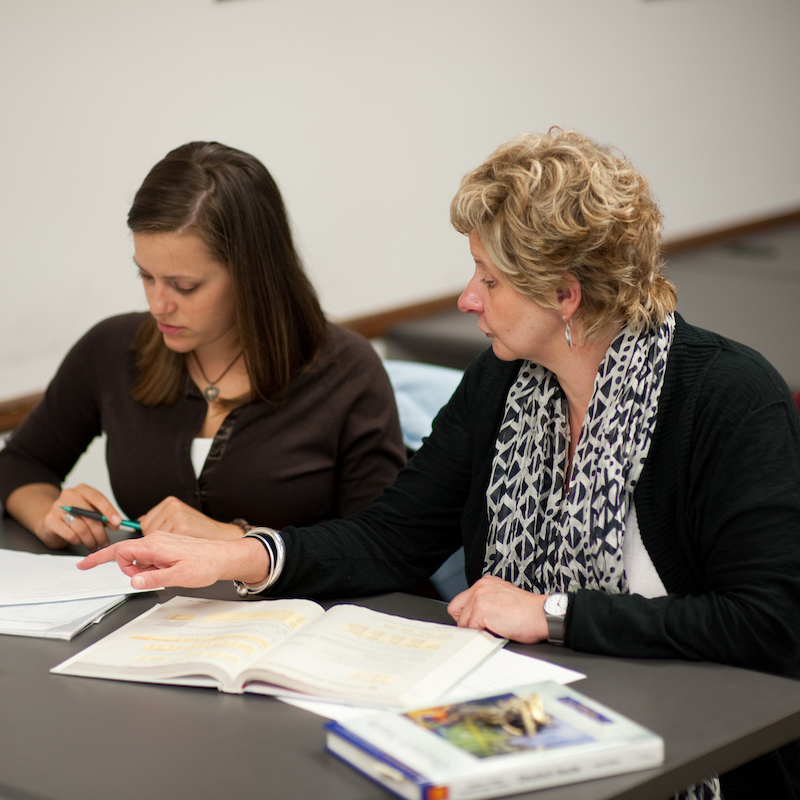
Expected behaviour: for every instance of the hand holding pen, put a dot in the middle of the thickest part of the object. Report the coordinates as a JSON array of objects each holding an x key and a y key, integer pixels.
[
  {"x": 72, "y": 512},
  {"x": 51, "y": 520}
]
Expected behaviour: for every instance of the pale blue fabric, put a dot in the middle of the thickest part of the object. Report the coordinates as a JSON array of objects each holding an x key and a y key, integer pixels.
[{"x": 420, "y": 390}]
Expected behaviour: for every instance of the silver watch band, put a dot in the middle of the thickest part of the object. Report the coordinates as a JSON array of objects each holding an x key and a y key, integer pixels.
[{"x": 556, "y": 629}]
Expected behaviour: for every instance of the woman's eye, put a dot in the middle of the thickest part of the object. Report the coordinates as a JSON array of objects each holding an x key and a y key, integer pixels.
[
  {"x": 184, "y": 289},
  {"x": 487, "y": 282}
]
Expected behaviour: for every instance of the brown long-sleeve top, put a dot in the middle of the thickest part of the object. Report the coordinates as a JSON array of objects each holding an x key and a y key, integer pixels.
[{"x": 324, "y": 453}]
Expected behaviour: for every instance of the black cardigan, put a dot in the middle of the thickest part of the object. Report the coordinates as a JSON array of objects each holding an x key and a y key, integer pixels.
[{"x": 718, "y": 505}]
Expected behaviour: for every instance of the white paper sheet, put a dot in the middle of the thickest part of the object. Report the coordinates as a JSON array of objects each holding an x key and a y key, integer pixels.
[
  {"x": 500, "y": 672},
  {"x": 56, "y": 620},
  {"x": 28, "y": 578}
]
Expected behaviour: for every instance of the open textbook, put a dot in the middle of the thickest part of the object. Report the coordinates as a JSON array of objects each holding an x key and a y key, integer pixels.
[
  {"x": 530, "y": 738},
  {"x": 348, "y": 653}
]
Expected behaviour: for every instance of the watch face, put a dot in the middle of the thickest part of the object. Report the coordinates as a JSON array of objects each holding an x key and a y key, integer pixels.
[{"x": 556, "y": 604}]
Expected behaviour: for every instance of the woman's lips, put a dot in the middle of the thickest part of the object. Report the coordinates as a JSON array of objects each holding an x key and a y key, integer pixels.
[{"x": 169, "y": 330}]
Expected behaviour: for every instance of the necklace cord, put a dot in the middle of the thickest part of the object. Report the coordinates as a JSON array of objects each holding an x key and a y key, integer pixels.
[{"x": 211, "y": 392}]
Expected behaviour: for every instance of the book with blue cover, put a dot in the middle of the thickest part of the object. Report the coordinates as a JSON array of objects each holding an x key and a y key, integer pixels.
[{"x": 537, "y": 736}]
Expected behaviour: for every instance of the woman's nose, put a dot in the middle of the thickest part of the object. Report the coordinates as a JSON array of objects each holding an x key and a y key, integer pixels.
[
  {"x": 470, "y": 301},
  {"x": 159, "y": 301}
]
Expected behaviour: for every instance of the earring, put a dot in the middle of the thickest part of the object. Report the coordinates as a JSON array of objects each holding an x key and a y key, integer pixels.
[{"x": 568, "y": 332}]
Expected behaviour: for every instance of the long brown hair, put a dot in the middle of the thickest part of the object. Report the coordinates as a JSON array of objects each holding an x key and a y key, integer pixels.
[{"x": 229, "y": 199}]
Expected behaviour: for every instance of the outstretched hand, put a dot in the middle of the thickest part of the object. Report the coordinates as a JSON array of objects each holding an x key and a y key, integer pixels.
[
  {"x": 498, "y": 606},
  {"x": 166, "y": 559}
]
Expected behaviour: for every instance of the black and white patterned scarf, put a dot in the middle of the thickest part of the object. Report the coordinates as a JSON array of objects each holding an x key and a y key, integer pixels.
[{"x": 545, "y": 539}]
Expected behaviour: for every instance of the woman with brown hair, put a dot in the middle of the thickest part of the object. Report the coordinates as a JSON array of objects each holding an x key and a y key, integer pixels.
[{"x": 232, "y": 402}]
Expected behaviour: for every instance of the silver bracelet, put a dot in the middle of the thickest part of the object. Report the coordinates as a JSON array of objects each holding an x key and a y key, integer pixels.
[{"x": 276, "y": 552}]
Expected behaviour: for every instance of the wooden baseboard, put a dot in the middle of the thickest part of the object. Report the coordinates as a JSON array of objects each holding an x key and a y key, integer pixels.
[
  {"x": 734, "y": 232},
  {"x": 374, "y": 325},
  {"x": 13, "y": 411}
]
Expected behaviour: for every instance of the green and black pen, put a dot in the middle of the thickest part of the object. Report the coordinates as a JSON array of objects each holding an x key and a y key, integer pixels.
[{"x": 85, "y": 512}]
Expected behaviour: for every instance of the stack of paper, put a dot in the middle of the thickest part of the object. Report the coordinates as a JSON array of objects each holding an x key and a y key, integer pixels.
[{"x": 47, "y": 596}]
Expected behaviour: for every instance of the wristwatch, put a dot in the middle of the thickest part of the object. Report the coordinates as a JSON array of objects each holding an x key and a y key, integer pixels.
[{"x": 555, "y": 612}]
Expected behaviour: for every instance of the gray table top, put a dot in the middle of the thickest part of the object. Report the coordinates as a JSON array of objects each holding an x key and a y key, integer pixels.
[{"x": 63, "y": 737}]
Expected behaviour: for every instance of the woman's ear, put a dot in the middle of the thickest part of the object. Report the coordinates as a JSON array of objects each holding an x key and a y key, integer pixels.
[{"x": 569, "y": 296}]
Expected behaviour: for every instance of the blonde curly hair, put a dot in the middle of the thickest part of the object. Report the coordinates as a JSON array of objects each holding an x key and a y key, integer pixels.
[{"x": 546, "y": 206}]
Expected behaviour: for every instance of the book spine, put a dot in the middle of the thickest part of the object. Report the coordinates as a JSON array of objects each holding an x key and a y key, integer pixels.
[{"x": 378, "y": 766}]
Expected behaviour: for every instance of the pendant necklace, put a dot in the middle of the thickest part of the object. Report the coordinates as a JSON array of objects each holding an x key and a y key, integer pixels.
[{"x": 211, "y": 392}]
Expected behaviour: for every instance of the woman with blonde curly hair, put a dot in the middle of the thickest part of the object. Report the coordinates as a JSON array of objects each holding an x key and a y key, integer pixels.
[
  {"x": 551, "y": 208},
  {"x": 622, "y": 483}
]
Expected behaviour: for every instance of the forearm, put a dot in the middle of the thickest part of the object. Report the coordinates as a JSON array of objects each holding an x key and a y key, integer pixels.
[
  {"x": 29, "y": 504},
  {"x": 166, "y": 559},
  {"x": 404, "y": 535},
  {"x": 746, "y": 629},
  {"x": 207, "y": 561},
  {"x": 390, "y": 546}
]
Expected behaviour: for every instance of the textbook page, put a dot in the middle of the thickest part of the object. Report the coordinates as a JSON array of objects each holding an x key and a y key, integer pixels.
[
  {"x": 502, "y": 671},
  {"x": 193, "y": 636},
  {"x": 368, "y": 657}
]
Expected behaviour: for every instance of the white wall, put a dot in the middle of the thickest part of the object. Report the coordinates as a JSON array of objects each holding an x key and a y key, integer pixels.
[{"x": 367, "y": 112}]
